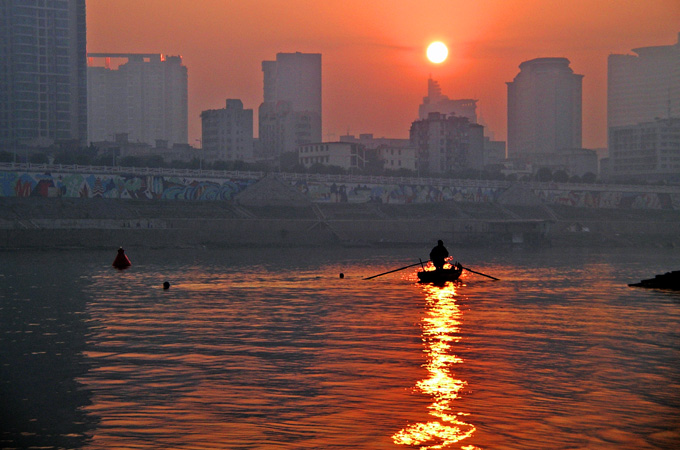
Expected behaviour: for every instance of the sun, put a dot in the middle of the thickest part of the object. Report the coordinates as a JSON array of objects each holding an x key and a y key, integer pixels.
[{"x": 437, "y": 52}]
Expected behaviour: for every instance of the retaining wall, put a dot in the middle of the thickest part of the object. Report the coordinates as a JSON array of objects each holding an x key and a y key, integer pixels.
[{"x": 197, "y": 187}]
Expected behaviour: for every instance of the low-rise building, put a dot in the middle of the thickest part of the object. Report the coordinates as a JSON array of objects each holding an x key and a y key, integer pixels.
[
  {"x": 371, "y": 142},
  {"x": 122, "y": 147},
  {"x": 574, "y": 162},
  {"x": 227, "y": 134},
  {"x": 395, "y": 158},
  {"x": 340, "y": 154},
  {"x": 648, "y": 151},
  {"x": 447, "y": 144},
  {"x": 494, "y": 151}
]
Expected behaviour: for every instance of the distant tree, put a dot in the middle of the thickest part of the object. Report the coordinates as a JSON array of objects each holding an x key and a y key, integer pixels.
[
  {"x": 492, "y": 173},
  {"x": 331, "y": 170},
  {"x": 240, "y": 165},
  {"x": 560, "y": 176},
  {"x": 297, "y": 168},
  {"x": 511, "y": 177},
  {"x": 38, "y": 158},
  {"x": 497, "y": 175},
  {"x": 194, "y": 164},
  {"x": 177, "y": 164},
  {"x": 401, "y": 173},
  {"x": 316, "y": 168},
  {"x": 221, "y": 165},
  {"x": 102, "y": 160},
  {"x": 130, "y": 161},
  {"x": 6, "y": 156},
  {"x": 288, "y": 160},
  {"x": 154, "y": 161},
  {"x": 374, "y": 165},
  {"x": 589, "y": 177},
  {"x": 74, "y": 155},
  {"x": 544, "y": 174},
  {"x": 262, "y": 167}
]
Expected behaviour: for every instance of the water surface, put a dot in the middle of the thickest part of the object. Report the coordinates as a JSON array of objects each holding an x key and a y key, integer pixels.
[{"x": 271, "y": 349}]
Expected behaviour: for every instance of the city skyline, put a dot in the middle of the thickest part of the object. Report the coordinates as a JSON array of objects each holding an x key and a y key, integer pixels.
[{"x": 375, "y": 69}]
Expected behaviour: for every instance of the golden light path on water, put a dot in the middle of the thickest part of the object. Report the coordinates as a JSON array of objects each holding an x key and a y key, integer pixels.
[{"x": 440, "y": 330}]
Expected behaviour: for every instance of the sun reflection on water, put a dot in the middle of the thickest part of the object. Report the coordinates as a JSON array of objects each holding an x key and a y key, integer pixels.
[{"x": 440, "y": 329}]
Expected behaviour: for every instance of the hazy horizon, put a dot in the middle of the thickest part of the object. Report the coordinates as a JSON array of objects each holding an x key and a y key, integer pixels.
[{"x": 374, "y": 65}]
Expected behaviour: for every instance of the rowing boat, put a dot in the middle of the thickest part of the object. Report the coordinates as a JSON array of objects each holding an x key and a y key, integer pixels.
[{"x": 440, "y": 276}]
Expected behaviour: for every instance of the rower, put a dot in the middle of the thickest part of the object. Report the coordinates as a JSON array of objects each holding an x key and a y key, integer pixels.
[{"x": 438, "y": 255}]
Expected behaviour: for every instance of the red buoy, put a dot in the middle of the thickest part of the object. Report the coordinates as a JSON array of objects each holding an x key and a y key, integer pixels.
[{"x": 121, "y": 262}]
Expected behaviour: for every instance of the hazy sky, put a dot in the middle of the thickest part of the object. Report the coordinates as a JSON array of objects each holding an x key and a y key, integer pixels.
[{"x": 374, "y": 66}]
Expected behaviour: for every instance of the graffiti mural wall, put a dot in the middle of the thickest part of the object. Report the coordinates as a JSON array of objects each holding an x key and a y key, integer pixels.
[
  {"x": 148, "y": 187},
  {"x": 18, "y": 184},
  {"x": 321, "y": 192},
  {"x": 609, "y": 199}
]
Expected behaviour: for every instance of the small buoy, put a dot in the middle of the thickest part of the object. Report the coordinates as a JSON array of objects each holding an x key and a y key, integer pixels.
[
  {"x": 121, "y": 262},
  {"x": 166, "y": 285},
  {"x": 342, "y": 275}
]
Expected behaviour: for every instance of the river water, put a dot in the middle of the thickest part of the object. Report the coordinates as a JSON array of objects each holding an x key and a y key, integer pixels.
[{"x": 271, "y": 349}]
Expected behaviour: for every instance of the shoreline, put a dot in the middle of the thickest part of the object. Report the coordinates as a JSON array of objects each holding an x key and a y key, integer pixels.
[{"x": 35, "y": 223}]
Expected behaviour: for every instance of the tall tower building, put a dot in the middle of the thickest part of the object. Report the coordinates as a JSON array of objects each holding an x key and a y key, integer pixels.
[
  {"x": 43, "y": 94},
  {"x": 290, "y": 115},
  {"x": 644, "y": 86},
  {"x": 544, "y": 108},
  {"x": 146, "y": 98}
]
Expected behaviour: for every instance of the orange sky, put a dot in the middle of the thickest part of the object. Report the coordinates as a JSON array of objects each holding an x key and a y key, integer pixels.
[{"x": 373, "y": 51}]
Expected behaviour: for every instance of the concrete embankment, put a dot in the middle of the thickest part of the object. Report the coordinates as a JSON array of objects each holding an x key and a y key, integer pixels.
[{"x": 109, "y": 223}]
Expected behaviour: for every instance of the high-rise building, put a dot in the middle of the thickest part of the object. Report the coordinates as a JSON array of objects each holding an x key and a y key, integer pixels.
[
  {"x": 290, "y": 115},
  {"x": 227, "y": 134},
  {"x": 644, "y": 86},
  {"x": 544, "y": 108},
  {"x": 146, "y": 97},
  {"x": 437, "y": 102},
  {"x": 43, "y": 94},
  {"x": 447, "y": 144}
]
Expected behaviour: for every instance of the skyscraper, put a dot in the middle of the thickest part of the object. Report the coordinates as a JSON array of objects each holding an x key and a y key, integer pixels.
[
  {"x": 544, "y": 108},
  {"x": 43, "y": 93},
  {"x": 645, "y": 86},
  {"x": 290, "y": 115},
  {"x": 146, "y": 98}
]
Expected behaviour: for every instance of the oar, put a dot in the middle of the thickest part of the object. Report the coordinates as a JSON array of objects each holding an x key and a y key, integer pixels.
[
  {"x": 395, "y": 270},
  {"x": 480, "y": 273}
]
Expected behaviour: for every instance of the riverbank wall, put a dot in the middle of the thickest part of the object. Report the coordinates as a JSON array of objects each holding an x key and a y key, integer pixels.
[
  {"x": 36, "y": 223},
  {"x": 92, "y": 207}
]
